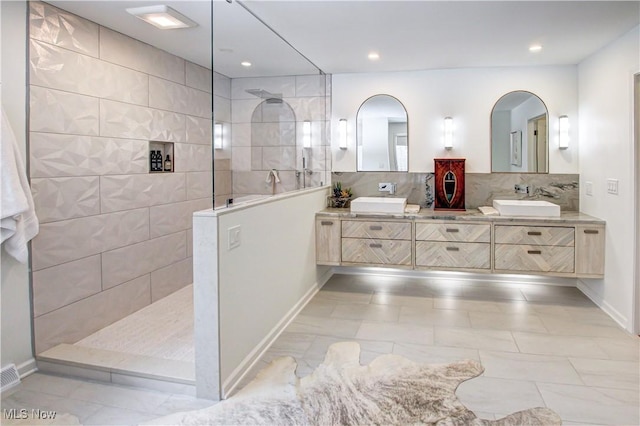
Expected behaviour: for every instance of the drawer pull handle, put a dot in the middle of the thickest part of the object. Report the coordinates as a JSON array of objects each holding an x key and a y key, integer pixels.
[
  {"x": 453, "y": 230},
  {"x": 534, "y": 251},
  {"x": 453, "y": 249},
  {"x": 591, "y": 231},
  {"x": 372, "y": 245},
  {"x": 326, "y": 223},
  {"x": 375, "y": 227},
  {"x": 534, "y": 233}
]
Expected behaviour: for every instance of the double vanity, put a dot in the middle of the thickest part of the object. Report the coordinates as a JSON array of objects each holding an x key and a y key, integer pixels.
[{"x": 568, "y": 245}]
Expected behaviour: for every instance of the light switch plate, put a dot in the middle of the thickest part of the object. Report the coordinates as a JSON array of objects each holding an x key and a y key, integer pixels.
[
  {"x": 588, "y": 188},
  {"x": 234, "y": 237},
  {"x": 612, "y": 186}
]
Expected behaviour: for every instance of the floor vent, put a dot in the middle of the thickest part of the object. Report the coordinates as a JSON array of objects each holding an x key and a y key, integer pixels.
[{"x": 10, "y": 377}]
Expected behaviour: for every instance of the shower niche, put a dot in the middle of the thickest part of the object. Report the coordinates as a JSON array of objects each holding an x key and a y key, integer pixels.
[
  {"x": 449, "y": 183},
  {"x": 161, "y": 158}
]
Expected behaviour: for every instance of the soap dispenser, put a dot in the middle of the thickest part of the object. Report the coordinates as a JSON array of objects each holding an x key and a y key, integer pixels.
[{"x": 167, "y": 164}]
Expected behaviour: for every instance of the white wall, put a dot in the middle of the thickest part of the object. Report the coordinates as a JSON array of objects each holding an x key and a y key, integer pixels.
[
  {"x": 606, "y": 151},
  {"x": 261, "y": 284},
  {"x": 16, "y": 311},
  {"x": 467, "y": 95}
]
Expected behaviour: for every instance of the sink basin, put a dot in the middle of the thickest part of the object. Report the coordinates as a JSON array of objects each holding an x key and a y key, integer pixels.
[
  {"x": 526, "y": 208},
  {"x": 378, "y": 205}
]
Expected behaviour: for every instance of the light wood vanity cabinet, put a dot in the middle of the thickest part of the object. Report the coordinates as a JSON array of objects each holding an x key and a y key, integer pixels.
[
  {"x": 328, "y": 243},
  {"x": 534, "y": 248},
  {"x": 564, "y": 248},
  {"x": 590, "y": 242},
  {"x": 376, "y": 243},
  {"x": 450, "y": 245}
]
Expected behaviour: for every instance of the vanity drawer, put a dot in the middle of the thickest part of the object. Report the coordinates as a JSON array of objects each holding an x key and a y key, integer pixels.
[
  {"x": 376, "y": 252},
  {"x": 535, "y": 235},
  {"x": 480, "y": 233},
  {"x": 534, "y": 258},
  {"x": 376, "y": 229},
  {"x": 453, "y": 255}
]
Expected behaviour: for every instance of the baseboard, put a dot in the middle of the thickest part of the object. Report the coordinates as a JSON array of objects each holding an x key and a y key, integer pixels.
[
  {"x": 229, "y": 385},
  {"x": 605, "y": 306},
  {"x": 27, "y": 368}
]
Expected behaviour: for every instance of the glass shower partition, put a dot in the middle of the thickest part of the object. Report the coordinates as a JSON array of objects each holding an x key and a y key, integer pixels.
[{"x": 271, "y": 118}]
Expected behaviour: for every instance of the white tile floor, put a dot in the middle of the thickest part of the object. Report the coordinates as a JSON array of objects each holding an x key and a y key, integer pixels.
[{"x": 540, "y": 346}]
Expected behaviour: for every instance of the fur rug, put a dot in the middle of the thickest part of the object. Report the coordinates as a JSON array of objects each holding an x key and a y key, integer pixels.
[{"x": 390, "y": 390}]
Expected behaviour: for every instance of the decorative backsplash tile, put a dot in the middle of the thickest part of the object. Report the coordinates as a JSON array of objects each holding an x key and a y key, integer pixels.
[
  {"x": 122, "y": 50},
  {"x": 66, "y": 197},
  {"x": 57, "y": 27},
  {"x": 198, "y": 77},
  {"x": 124, "y": 192},
  {"x": 62, "y": 112},
  {"x": 168, "y": 126},
  {"x": 126, "y": 263},
  {"x": 199, "y": 157},
  {"x": 561, "y": 189},
  {"x": 56, "y": 155},
  {"x": 198, "y": 130},
  {"x": 61, "y": 285},
  {"x": 95, "y": 312},
  {"x": 58, "y": 68},
  {"x": 199, "y": 184},
  {"x": 171, "y": 278},
  {"x": 480, "y": 190},
  {"x": 123, "y": 120},
  {"x": 221, "y": 85},
  {"x": 67, "y": 240}
]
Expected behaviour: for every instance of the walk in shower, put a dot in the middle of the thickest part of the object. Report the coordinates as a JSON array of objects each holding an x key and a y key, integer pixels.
[{"x": 113, "y": 263}]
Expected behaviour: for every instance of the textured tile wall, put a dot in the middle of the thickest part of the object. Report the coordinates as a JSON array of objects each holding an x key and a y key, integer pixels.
[
  {"x": 269, "y": 136},
  {"x": 113, "y": 238}
]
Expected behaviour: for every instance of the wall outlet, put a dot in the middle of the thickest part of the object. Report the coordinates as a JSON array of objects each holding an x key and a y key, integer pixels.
[
  {"x": 588, "y": 186},
  {"x": 234, "y": 237},
  {"x": 612, "y": 186}
]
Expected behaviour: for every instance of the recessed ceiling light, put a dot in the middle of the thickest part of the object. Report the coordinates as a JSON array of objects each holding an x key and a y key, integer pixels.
[
  {"x": 374, "y": 56},
  {"x": 245, "y": 63},
  {"x": 162, "y": 17},
  {"x": 535, "y": 48}
]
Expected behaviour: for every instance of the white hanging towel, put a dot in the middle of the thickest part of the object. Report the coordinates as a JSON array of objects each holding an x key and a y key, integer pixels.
[{"x": 18, "y": 221}]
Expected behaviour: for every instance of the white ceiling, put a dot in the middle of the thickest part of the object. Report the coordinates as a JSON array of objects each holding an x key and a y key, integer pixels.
[{"x": 409, "y": 35}]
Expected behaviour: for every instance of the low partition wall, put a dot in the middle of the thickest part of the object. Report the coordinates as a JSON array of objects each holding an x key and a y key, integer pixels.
[{"x": 254, "y": 270}]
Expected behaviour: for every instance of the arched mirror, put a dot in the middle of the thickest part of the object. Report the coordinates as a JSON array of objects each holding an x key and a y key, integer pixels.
[
  {"x": 519, "y": 134},
  {"x": 382, "y": 135}
]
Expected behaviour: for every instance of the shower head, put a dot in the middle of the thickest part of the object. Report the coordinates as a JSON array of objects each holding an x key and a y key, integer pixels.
[{"x": 263, "y": 94}]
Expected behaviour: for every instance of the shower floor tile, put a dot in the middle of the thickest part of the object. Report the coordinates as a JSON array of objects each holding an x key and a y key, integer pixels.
[{"x": 163, "y": 329}]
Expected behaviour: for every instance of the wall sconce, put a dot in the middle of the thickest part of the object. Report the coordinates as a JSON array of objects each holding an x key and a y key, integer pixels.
[
  {"x": 306, "y": 134},
  {"x": 342, "y": 133},
  {"x": 448, "y": 133},
  {"x": 563, "y": 125},
  {"x": 217, "y": 136}
]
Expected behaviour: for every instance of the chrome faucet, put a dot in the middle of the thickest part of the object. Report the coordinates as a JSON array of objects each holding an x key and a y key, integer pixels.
[{"x": 387, "y": 187}]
